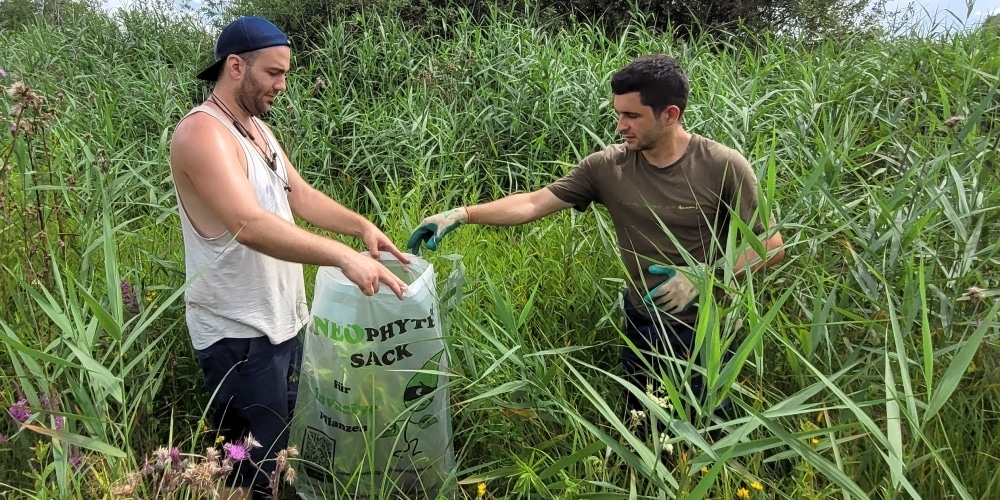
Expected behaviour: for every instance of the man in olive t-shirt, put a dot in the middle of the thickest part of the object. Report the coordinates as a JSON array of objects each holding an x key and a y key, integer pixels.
[{"x": 670, "y": 195}]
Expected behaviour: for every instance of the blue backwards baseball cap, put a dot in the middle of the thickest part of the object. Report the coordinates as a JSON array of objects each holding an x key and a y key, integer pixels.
[{"x": 243, "y": 35}]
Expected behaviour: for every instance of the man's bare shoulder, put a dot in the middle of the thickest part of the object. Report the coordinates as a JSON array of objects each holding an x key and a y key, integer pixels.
[
  {"x": 198, "y": 137},
  {"x": 196, "y": 127}
]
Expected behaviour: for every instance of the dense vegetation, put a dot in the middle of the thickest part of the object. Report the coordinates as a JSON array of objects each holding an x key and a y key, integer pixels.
[{"x": 865, "y": 359}]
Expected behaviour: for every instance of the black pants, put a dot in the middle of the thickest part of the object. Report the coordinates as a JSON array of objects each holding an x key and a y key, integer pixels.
[
  {"x": 664, "y": 339},
  {"x": 253, "y": 385}
]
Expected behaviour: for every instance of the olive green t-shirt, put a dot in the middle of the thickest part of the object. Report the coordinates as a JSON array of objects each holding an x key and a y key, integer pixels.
[{"x": 691, "y": 200}]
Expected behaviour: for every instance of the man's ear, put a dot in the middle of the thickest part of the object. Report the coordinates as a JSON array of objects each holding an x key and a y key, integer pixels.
[
  {"x": 235, "y": 65},
  {"x": 673, "y": 114}
]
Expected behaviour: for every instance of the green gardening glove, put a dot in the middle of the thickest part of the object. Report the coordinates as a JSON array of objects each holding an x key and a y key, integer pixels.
[
  {"x": 675, "y": 295},
  {"x": 432, "y": 229}
]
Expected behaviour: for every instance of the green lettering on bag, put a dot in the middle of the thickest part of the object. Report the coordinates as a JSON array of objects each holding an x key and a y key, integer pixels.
[{"x": 352, "y": 334}]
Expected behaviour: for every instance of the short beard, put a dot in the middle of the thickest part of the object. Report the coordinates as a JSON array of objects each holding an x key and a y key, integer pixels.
[
  {"x": 247, "y": 97},
  {"x": 639, "y": 146}
]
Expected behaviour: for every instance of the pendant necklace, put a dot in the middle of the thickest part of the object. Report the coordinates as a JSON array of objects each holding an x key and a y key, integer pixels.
[{"x": 270, "y": 161}]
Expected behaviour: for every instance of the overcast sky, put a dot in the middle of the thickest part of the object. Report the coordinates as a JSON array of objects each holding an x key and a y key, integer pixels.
[
  {"x": 960, "y": 13},
  {"x": 980, "y": 9}
]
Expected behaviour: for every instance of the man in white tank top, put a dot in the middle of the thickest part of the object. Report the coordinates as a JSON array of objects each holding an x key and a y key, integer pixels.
[{"x": 237, "y": 195}]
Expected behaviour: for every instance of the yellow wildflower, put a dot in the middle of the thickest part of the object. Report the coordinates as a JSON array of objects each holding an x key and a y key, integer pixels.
[
  {"x": 756, "y": 485},
  {"x": 743, "y": 493},
  {"x": 220, "y": 439},
  {"x": 150, "y": 295},
  {"x": 704, "y": 470},
  {"x": 204, "y": 426},
  {"x": 481, "y": 490},
  {"x": 815, "y": 441}
]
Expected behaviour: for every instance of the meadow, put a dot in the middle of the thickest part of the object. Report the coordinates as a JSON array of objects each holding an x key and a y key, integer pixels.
[{"x": 864, "y": 366}]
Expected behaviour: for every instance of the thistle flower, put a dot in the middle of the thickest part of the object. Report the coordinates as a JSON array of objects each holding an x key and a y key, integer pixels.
[
  {"x": 236, "y": 452},
  {"x": 19, "y": 411},
  {"x": 162, "y": 457},
  {"x": 955, "y": 120},
  {"x": 175, "y": 456},
  {"x": 129, "y": 299},
  {"x": 975, "y": 294},
  {"x": 123, "y": 490},
  {"x": 290, "y": 475}
]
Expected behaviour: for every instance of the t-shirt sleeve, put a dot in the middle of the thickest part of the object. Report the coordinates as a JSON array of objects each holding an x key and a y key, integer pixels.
[
  {"x": 743, "y": 196},
  {"x": 579, "y": 186}
]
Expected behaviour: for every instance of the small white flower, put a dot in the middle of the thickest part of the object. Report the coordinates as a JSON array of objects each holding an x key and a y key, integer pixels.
[
  {"x": 636, "y": 417},
  {"x": 667, "y": 447}
]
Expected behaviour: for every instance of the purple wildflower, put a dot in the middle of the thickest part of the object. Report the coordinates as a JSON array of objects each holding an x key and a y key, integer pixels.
[
  {"x": 60, "y": 421},
  {"x": 236, "y": 452},
  {"x": 129, "y": 300},
  {"x": 3, "y": 439},
  {"x": 76, "y": 461},
  {"x": 20, "y": 411},
  {"x": 175, "y": 456}
]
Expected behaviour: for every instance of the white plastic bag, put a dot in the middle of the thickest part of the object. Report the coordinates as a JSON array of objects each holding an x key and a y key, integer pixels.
[{"x": 372, "y": 416}]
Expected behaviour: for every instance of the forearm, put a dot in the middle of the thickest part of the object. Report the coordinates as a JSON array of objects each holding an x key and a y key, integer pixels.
[
  {"x": 278, "y": 238},
  {"x": 515, "y": 209},
  {"x": 321, "y": 211},
  {"x": 774, "y": 248}
]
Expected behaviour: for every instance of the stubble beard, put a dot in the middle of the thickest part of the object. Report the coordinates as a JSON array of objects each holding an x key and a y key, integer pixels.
[{"x": 250, "y": 97}]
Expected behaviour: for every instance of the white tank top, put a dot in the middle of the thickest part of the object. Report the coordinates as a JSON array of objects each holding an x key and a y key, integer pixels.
[{"x": 238, "y": 292}]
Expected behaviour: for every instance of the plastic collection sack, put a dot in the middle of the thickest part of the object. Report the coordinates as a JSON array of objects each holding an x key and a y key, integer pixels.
[{"x": 371, "y": 419}]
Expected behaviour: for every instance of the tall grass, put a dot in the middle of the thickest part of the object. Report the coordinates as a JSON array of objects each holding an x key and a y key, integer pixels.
[{"x": 863, "y": 366}]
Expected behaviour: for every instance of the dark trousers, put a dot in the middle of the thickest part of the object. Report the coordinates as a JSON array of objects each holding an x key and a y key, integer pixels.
[
  {"x": 662, "y": 338},
  {"x": 253, "y": 385}
]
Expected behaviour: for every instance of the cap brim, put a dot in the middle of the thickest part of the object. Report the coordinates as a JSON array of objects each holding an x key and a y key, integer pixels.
[{"x": 211, "y": 73}]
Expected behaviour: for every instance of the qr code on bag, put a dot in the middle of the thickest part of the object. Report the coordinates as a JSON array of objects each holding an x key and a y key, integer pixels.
[{"x": 318, "y": 451}]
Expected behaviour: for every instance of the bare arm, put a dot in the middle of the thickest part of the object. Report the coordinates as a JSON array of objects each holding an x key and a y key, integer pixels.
[
  {"x": 775, "y": 251},
  {"x": 517, "y": 208},
  {"x": 322, "y": 211},
  {"x": 207, "y": 159}
]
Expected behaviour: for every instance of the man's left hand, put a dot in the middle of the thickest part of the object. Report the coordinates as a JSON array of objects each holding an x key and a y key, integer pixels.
[{"x": 376, "y": 241}]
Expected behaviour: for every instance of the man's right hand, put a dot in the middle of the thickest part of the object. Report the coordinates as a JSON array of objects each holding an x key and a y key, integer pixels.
[
  {"x": 367, "y": 273},
  {"x": 432, "y": 229}
]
